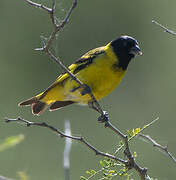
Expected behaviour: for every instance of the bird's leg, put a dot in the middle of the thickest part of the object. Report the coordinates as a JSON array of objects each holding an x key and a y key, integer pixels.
[
  {"x": 104, "y": 115},
  {"x": 93, "y": 104},
  {"x": 86, "y": 90}
]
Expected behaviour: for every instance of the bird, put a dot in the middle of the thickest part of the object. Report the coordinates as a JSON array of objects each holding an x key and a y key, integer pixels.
[{"x": 100, "y": 69}]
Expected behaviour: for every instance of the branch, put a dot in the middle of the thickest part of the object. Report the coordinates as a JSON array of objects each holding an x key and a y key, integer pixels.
[
  {"x": 164, "y": 28},
  {"x": 39, "y": 6},
  {"x": 57, "y": 131},
  {"x": 141, "y": 171},
  {"x": 57, "y": 27},
  {"x": 157, "y": 145},
  {"x": 141, "y": 130},
  {"x": 131, "y": 162}
]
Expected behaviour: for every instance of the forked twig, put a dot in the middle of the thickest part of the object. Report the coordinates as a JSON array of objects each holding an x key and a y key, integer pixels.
[
  {"x": 130, "y": 163},
  {"x": 57, "y": 131},
  {"x": 39, "y": 6},
  {"x": 157, "y": 145}
]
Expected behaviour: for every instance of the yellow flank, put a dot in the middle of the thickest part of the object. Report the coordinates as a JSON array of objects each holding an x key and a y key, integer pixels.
[{"x": 102, "y": 76}]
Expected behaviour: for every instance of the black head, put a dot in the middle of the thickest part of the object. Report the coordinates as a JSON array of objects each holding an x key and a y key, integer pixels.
[{"x": 125, "y": 49}]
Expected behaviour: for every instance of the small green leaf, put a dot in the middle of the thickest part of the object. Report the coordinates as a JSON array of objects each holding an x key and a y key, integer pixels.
[
  {"x": 124, "y": 170},
  {"x": 129, "y": 134},
  {"x": 145, "y": 126},
  {"x": 93, "y": 171},
  {"x": 109, "y": 175},
  {"x": 112, "y": 171},
  {"x": 133, "y": 132},
  {"x": 102, "y": 164},
  {"x": 11, "y": 141},
  {"x": 89, "y": 173},
  {"x": 106, "y": 163},
  {"x": 138, "y": 130},
  {"x": 135, "y": 154},
  {"x": 83, "y": 178},
  {"x": 121, "y": 143}
]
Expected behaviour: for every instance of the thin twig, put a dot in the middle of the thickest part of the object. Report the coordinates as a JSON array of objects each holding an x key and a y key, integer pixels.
[
  {"x": 57, "y": 60},
  {"x": 57, "y": 27},
  {"x": 57, "y": 131},
  {"x": 113, "y": 128},
  {"x": 39, "y": 6},
  {"x": 131, "y": 162},
  {"x": 65, "y": 21},
  {"x": 146, "y": 126},
  {"x": 157, "y": 145},
  {"x": 164, "y": 28}
]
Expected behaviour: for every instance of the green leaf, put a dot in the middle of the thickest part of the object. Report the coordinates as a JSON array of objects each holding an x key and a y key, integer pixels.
[
  {"x": 89, "y": 173},
  {"x": 138, "y": 130},
  {"x": 133, "y": 132},
  {"x": 93, "y": 171},
  {"x": 11, "y": 142},
  {"x": 135, "y": 154},
  {"x": 112, "y": 171},
  {"x": 106, "y": 163},
  {"x": 102, "y": 164},
  {"x": 83, "y": 178}
]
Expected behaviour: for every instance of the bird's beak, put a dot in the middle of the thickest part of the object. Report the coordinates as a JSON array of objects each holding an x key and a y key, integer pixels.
[{"x": 136, "y": 50}]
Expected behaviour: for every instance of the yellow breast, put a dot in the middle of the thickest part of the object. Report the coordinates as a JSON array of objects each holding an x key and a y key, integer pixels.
[{"x": 102, "y": 76}]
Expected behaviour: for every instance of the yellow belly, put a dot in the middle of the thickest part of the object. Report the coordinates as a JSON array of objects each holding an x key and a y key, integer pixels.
[{"x": 101, "y": 77}]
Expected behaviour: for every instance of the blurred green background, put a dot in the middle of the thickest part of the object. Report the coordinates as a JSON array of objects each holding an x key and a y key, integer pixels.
[{"x": 147, "y": 91}]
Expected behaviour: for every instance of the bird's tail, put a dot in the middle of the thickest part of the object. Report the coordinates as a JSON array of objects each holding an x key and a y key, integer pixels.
[
  {"x": 37, "y": 105},
  {"x": 54, "y": 97}
]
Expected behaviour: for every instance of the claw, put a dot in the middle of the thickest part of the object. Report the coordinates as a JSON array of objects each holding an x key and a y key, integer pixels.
[
  {"x": 86, "y": 90},
  {"x": 104, "y": 117}
]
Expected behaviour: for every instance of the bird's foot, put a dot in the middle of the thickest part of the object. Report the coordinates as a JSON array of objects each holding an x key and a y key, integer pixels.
[
  {"x": 86, "y": 90},
  {"x": 104, "y": 118}
]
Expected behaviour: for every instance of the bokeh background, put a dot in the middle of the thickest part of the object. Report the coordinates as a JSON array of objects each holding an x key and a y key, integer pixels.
[{"x": 147, "y": 91}]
